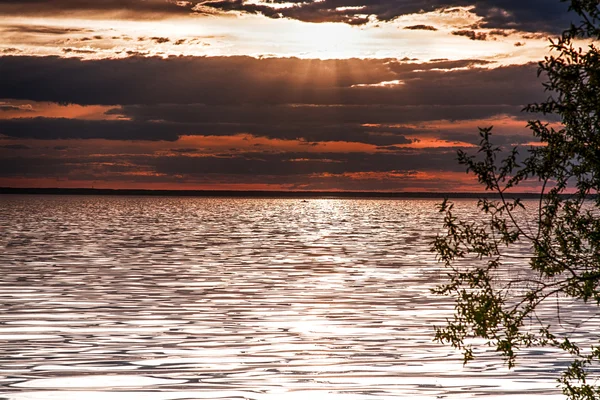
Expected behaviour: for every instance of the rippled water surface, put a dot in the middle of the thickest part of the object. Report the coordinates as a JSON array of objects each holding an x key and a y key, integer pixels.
[{"x": 193, "y": 298}]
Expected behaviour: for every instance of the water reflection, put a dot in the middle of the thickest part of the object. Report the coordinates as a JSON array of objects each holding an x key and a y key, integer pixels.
[{"x": 179, "y": 298}]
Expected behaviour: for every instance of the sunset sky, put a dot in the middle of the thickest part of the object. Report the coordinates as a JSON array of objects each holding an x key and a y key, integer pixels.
[{"x": 273, "y": 95}]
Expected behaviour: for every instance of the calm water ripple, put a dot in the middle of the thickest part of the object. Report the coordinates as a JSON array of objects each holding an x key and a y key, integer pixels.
[{"x": 194, "y": 298}]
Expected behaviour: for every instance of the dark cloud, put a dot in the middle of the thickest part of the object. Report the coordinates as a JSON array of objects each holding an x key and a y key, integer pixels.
[
  {"x": 242, "y": 164},
  {"x": 309, "y": 100},
  {"x": 313, "y": 101},
  {"x": 499, "y": 32},
  {"x": 246, "y": 80},
  {"x": 62, "y": 128},
  {"x": 473, "y": 35},
  {"x": 531, "y": 15},
  {"x": 393, "y": 170},
  {"x": 421, "y": 28},
  {"x": 294, "y": 163},
  {"x": 249, "y": 115},
  {"x": 93, "y": 8},
  {"x": 138, "y": 80},
  {"x": 36, "y": 167},
  {"x": 77, "y": 51},
  {"x": 160, "y": 40},
  {"x": 15, "y": 147},
  {"x": 42, "y": 29}
]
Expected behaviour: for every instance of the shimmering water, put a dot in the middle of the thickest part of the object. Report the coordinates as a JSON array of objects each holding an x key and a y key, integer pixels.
[{"x": 193, "y": 298}]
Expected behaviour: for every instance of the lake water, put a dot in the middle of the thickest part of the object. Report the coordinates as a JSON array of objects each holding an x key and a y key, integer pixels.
[{"x": 217, "y": 298}]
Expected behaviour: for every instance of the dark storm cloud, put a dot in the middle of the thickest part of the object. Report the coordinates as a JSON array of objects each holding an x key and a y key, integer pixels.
[
  {"x": 305, "y": 163},
  {"x": 131, "y": 8},
  {"x": 35, "y": 166},
  {"x": 309, "y": 100},
  {"x": 139, "y": 80},
  {"x": 246, "y": 80},
  {"x": 531, "y": 15},
  {"x": 243, "y": 165},
  {"x": 62, "y": 128},
  {"x": 299, "y": 114}
]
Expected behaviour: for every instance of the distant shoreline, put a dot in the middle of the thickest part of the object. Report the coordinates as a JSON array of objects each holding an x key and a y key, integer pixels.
[{"x": 255, "y": 193}]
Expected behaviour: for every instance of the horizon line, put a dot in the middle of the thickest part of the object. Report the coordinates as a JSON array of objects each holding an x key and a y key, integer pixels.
[{"x": 260, "y": 193}]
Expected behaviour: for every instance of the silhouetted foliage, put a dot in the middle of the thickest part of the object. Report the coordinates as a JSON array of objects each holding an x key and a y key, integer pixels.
[{"x": 560, "y": 238}]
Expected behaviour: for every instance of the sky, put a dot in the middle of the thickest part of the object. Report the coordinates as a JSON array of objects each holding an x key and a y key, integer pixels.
[{"x": 358, "y": 95}]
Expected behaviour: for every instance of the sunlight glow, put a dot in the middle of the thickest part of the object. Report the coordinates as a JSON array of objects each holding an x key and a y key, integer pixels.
[
  {"x": 259, "y": 36},
  {"x": 327, "y": 40}
]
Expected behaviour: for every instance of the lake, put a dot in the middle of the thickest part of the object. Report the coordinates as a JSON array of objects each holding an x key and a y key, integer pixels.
[{"x": 231, "y": 298}]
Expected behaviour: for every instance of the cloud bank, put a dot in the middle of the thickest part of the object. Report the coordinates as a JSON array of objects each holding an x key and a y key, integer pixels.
[{"x": 531, "y": 16}]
